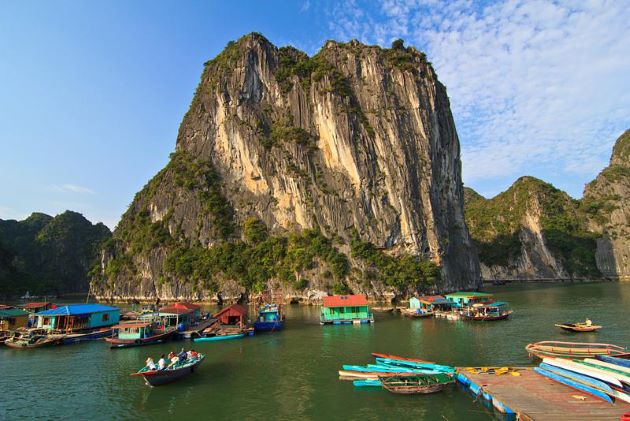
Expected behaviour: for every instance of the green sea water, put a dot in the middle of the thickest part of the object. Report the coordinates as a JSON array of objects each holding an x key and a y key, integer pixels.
[{"x": 293, "y": 374}]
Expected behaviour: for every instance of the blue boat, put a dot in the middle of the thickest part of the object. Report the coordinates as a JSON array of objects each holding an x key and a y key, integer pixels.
[
  {"x": 575, "y": 385},
  {"x": 614, "y": 360},
  {"x": 270, "y": 318},
  {"x": 367, "y": 383},
  {"x": 218, "y": 338},
  {"x": 580, "y": 378},
  {"x": 415, "y": 365}
]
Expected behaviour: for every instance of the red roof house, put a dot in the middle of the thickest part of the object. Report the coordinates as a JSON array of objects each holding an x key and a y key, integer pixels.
[
  {"x": 235, "y": 314},
  {"x": 345, "y": 301}
]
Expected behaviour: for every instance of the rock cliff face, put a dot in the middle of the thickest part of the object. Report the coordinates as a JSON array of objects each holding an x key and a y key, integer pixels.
[
  {"x": 531, "y": 231},
  {"x": 607, "y": 204},
  {"x": 354, "y": 148}
]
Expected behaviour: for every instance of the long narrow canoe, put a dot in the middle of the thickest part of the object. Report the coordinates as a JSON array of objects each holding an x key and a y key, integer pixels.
[
  {"x": 390, "y": 362},
  {"x": 373, "y": 375},
  {"x": 367, "y": 383},
  {"x": 218, "y": 338},
  {"x": 399, "y": 358},
  {"x": 585, "y": 370},
  {"x": 625, "y": 370},
  {"x": 575, "y": 385},
  {"x": 580, "y": 378},
  {"x": 614, "y": 360},
  {"x": 572, "y": 349},
  {"x": 622, "y": 376}
]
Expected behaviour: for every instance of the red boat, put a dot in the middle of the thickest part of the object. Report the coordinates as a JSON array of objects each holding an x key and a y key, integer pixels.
[
  {"x": 133, "y": 334},
  {"x": 396, "y": 357}
]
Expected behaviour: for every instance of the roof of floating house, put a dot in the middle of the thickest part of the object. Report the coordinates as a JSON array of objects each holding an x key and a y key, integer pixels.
[
  {"x": 180, "y": 308},
  {"x": 4, "y": 307},
  {"x": 38, "y": 305},
  {"x": 345, "y": 301},
  {"x": 12, "y": 312},
  {"x": 233, "y": 308},
  {"x": 433, "y": 299},
  {"x": 468, "y": 294},
  {"x": 77, "y": 309}
]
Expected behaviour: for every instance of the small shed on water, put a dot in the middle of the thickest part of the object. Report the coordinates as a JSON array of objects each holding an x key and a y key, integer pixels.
[
  {"x": 179, "y": 314},
  {"x": 12, "y": 318},
  {"x": 434, "y": 302},
  {"x": 345, "y": 309},
  {"x": 78, "y": 317},
  {"x": 235, "y": 314}
]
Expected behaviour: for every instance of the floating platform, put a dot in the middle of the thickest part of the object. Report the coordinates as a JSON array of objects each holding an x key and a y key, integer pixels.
[{"x": 531, "y": 396}]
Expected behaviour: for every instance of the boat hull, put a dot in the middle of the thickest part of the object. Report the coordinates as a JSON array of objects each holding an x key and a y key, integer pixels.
[
  {"x": 82, "y": 337},
  {"x": 268, "y": 326},
  {"x": 573, "y": 384},
  {"x": 571, "y": 327},
  {"x": 25, "y": 345},
  {"x": 218, "y": 338},
  {"x": 116, "y": 343},
  {"x": 614, "y": 360},
  {"x": 162, "y": 377}
]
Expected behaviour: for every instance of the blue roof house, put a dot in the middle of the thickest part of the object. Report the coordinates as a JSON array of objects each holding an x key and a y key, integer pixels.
[{"x": 78, "y": 317}]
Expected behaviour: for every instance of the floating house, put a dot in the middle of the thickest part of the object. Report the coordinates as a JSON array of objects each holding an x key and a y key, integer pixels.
[
  {"x": 468, "y": 298},
  {"x": 36, "y": 307},
  {"x": 78, "y": 317},
  {"x": 434, "y": 303},
  {"x": 12, "y": 318},
  {"x": 345, "y": 309},
  {"x": 180, "y": 315},
  {"x": 235, "y": 315}
]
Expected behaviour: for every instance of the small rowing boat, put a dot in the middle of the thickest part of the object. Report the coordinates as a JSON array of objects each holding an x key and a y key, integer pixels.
[
  {"x": 614, "y": 360},
  {"x": 578, "y": 327},
  {"x": 171, "y": 374},
  {"x": 584, "y": 370},
  {"x": 415, "y": 384},
  {"x": 572, "y": 349},
  {"x": 218, "y": 338},
  {"x": 33, "y": 338}
]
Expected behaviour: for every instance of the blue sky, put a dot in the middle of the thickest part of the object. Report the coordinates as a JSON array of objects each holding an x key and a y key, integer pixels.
[{"x": 92, "y": 93}]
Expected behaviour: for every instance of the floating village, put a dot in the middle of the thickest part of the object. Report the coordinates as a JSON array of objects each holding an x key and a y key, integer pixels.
[{"x": 566, "y": 380}]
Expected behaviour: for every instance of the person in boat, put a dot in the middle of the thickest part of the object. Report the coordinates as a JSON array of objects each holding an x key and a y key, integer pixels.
[
  {"x": 183, "y": 355},
  {"x": 174, "y": 361},
  {"x": 192, "y": 354},
  {"x": 162, "y": 363},
  {"x": 151, "y": 364},
  {"x": 588, "y": 322},
  {"x": 171, "y": 355}
]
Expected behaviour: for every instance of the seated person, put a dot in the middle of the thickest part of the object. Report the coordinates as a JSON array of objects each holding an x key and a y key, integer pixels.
[
  {"x": 162, "y": 363},
  {"x": 150, "y": 364},
  {"x": 174, "y": 361},
  {"x": 182, "y": 355}
]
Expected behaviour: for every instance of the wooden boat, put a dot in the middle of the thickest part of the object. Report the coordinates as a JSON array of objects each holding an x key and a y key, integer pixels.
[
  {"x": 584, "y": 370},
  {"x": 580, "y": 378},
  {"x": 604, "y": 364},
  {"x": 33, "y": 338},
  {"x": 399, "y": 358},
  {"x": 578, "y": 327},
  {"x": 219, "y": 338},
  {"x": 370, "y": 375},
  {"x": 127, "y": 335},
  {"x": 383, "y": 309},
  {"x": 169, "y": 375},
  {"x": 575, "y": 385},
  {"x": 614, "y": 360},
  {"x": 415, "y": 384},
  {"x": 74, "y": 338},
  {"x": 367, "y": 383},
  {"x": 4, "y": 335},
  {"x": 572, "y": 349},
  {"x": 487, "y": 312},
  {"x": 413, "y": 365},
  {"x": 270, "y": 318}
]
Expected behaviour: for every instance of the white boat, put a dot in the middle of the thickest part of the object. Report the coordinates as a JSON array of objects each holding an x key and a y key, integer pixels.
[
  {"x": 608, "y": 365},
  {"x": 582, "y": 369}
]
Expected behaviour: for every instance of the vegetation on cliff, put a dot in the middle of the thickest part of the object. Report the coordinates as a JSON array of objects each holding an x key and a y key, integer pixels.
[
  {"x": 46, "y": 255},
  {"x": 495, "y": 225}
]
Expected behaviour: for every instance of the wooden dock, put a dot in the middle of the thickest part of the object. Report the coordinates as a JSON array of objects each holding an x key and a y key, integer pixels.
[
  {"x": 534, "y": 397},
  {"x": 194, "y": 331}
]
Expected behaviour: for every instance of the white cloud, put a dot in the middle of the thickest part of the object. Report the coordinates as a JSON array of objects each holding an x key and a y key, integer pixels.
[
  {"x": 531, "y": 83},
  {"x": 71, "y": 188}
]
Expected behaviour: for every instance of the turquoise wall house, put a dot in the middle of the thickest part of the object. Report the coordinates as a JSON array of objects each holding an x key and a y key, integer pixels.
[
  {"x": 76, "y": 317},
  {"x": 345, "y": 309}
]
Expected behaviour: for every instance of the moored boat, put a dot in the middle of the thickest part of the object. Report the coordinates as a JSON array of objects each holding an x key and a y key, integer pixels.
[
  {"x": 415, "y": 384},
  {"x": 487, "y": 312},
  {"x": 573, "y": 384},
  {"x": 397, "y": 357},
  {"x": 614, "y": 360},
  {"x": 572, "y": 349},
  {"x": 584, "y": 370},
  {"x": 270, "y": 318},
  {"x": 32, "y": 338},
  {"x": 74, "y": 338},
  {"x": 171, "y": 374},
  {"x": 134, "y": 334},
  {"x": 219, "y": 338}
]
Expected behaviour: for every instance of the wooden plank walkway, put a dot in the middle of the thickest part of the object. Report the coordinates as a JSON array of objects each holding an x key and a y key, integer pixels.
[{"x": 535, "y": 397}]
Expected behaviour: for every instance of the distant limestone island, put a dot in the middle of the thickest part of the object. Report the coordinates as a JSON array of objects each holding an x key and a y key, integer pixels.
[
  {"x": 341, "y": 173},
  {"x": 45, "y": 255}
]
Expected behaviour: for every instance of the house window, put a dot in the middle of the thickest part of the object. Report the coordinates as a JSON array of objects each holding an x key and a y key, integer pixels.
[{"x": 105, "y": 317}]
